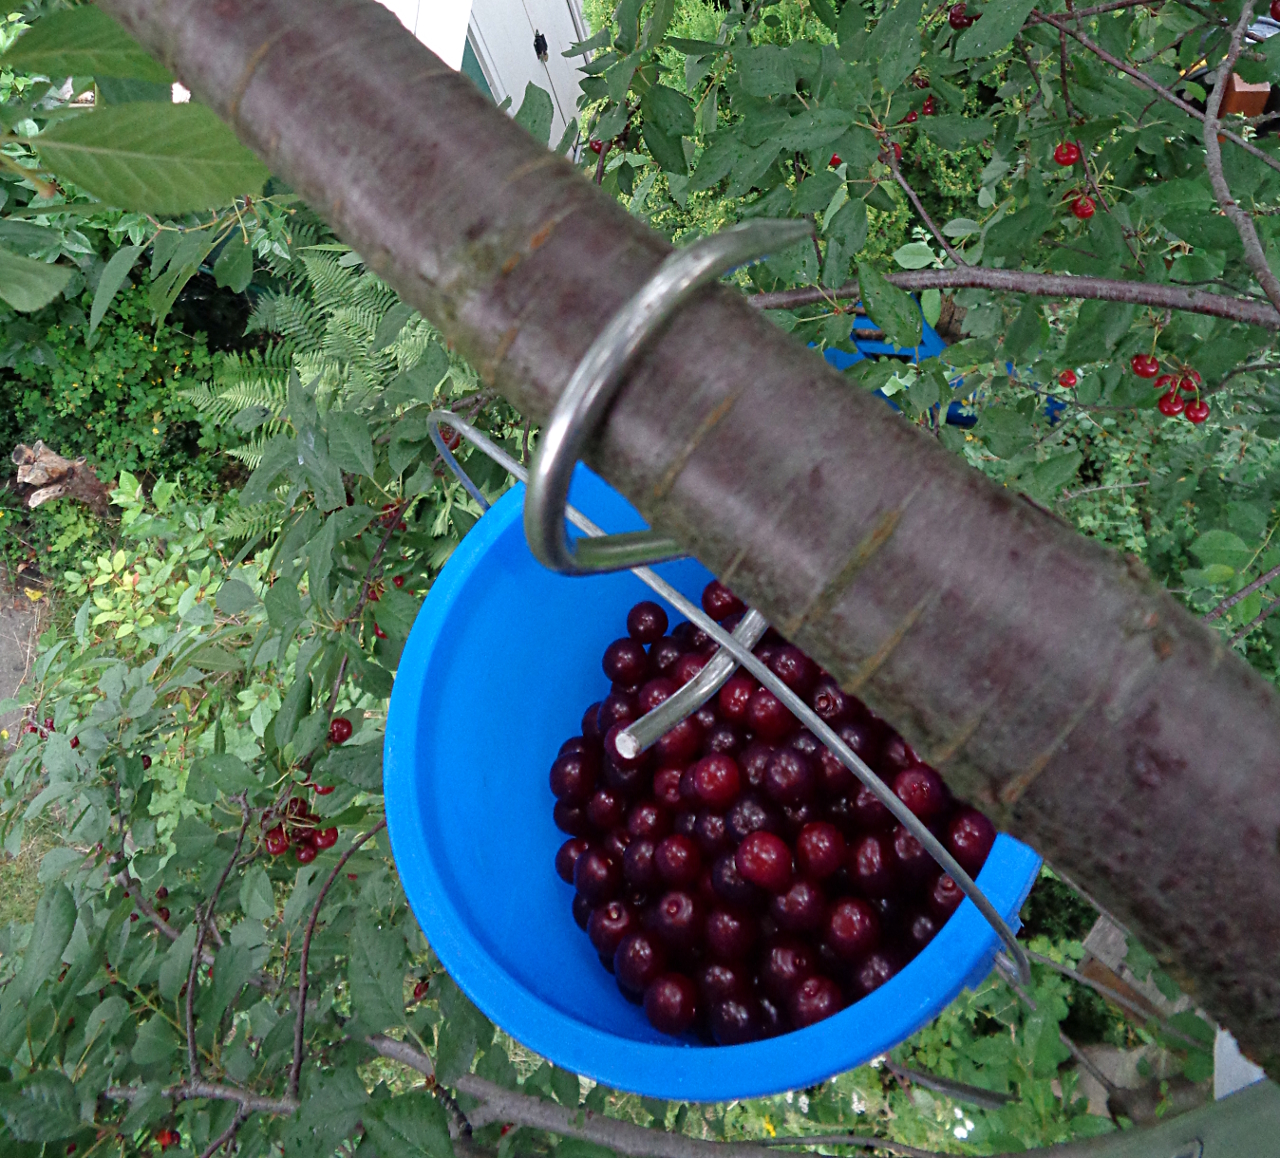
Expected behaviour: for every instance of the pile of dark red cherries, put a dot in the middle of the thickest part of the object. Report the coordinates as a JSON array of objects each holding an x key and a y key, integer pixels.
[{"x": 736, "y": 878}]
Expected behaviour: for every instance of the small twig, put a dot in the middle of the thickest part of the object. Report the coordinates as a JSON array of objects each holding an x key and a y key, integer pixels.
[
  {"x": 1031, "y": 68},
  {"x": 250, "y": 1103},
  {"x": 605, "y": 146},
  {"x": 950, "y": 251},
  {"x": 524, "y": 443},
  {"x": 1109, "y": 487},
  {"x": 956, "y": 1091},
  {"x": 1062, "y": 70},
  {"x": 202, "y": 922},
  {"x": 1274, "y": 605},
  {"x": 1085, "y": 1064},
  {"x": 1231, "y": 600},
  {"x": 224, "y": 1139},
  {"x": 295, "y": 1067},
  {"x": 1254, "y": 255},
  {"x": 408, "y": 1055}
]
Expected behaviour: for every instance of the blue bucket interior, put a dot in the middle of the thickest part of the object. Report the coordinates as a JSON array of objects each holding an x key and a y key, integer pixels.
[{"x": 502, "y": 661}]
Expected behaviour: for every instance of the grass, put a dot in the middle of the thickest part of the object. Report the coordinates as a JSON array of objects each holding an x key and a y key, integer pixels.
[{"x": 20, "y": 886}]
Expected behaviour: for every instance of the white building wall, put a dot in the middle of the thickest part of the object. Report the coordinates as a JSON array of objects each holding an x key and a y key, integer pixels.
[{"x": 440, "y": 24}]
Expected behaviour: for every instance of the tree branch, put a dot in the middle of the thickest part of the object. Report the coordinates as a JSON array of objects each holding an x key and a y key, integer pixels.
[
  {"x": 1254, "y": 255},
  {"x": 295, "y": 1067},
  {"x": 1257, "y": 620},
  {"x": 1057, "y": 285},
  {"x": 951, "y": 252},
  {"x": 249, "y": 1102},
  {"x": 224, "y": 1139},
  {"x": 1231, "y": 600},
  {"x": 956, "y": 1091}
]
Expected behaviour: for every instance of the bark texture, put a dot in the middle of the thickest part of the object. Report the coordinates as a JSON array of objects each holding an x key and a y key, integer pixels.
[{"x": 1052, "y": 680}]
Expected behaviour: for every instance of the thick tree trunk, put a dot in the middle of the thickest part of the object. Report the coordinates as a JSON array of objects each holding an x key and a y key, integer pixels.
[{"x": 1051, "y": 679}]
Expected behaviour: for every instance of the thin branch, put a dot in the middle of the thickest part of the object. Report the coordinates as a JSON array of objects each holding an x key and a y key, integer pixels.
[
  {"x": 1063, "y": 56},
  {"x": 605, "y": 146},
  {"x": 1084, "y": 13},
  {"x": 249, "y": 1102},
  {"x": 1071, "y": 495},
  {"x": 1254, "y": 255},
  {"x": 1082, "y": 1060},
  {"x": 1231, "y": 600},
  {"x": 1055, "y": 285},
  {"x": 1274, "y": 605},
  {"x": 202, "y": 919},
  {"x": 1159, "y": 89},
  {"x": 956, "y": 1091},
  {"x": 1031, "y": 68},
  {"x": 404, "y": 1052},
  {"x": 224, "y": 1139},
  {"x": 951, "y": 252},
  {"x": 295, "y": 1067}
]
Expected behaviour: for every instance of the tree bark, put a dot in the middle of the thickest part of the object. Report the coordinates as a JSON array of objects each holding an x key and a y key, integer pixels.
[{"x": 1052, "y": 680}]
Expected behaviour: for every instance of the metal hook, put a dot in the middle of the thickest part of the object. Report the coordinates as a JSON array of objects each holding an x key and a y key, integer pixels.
[{"x": 581, "y": 408}]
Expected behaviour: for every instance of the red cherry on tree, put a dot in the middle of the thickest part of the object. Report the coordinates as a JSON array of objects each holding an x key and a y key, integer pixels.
[
  {"x": 929, "y": 107},
  {"x": 75, "y": 741},
  {"x": 398, "y": 581},
  {"x": 1068, "y": 379},
  {"x": 1083, "y": 208},
  {"x": 910, "y": 118},
  {"x": 146, "y": 762},
  {"x": 1145, "y": 365},
  {"x": 595, "y": 145},
  {"x": 1165, "y": 382},
  {"x": 305, "y": 853},
  {"x": 326, "y": 838},
  {"x": 1275, "y": 9},
  {"x": 1067, "y": 153},
  {"x": 322, "y": 789},
  {"x": 1171, "y": 404},
  {"x": 835, "y": 161},
  {"x": 340, "y": 730},
  {"x": 1190, "y": 382},
  {"x": 897, "y": 151},
  {"x": 958, "y": 18},
  {"x": 379, "y": 632},
  {"x": 420, "y": 990},
  {"x": 1197, "y": 411}
]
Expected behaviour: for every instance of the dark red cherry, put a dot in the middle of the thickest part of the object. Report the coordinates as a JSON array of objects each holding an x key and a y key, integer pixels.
[
  {"x": 671, "y": 1003},
  {"x": 767, "y": 717},
  {"x": 688, "y": 666},
  {"x": 734, "y": 697},
  {"x": 836, "y": 779},
  {"x": 944, "y": 897},
  {"x": 791, "y": 777},
  {"x": 625, "y": 661},
  {"x": 773, "y": 1017},
  {"x": 820, "y": 850},
  {"x": 749, "y": 814},
  {"x": 146, "y": 760},
  {"x": 656, "y": 691},
  {"x": 685, "y": 823},
  {"x": 567, "y": 857},
  {"x": 753, "y": 761},
  {"x": 606, "y": 809},
  {"x": 591, "y": 723},
  {"x": 678, "y": 861},
  {"x": 815, "y": 999},
  {"x": 735, "y": 1022},
  {"x": 705, "y": 890},
  {"x": 663, "y": 656},
  {"x": 666, "y": 787},
  {"x": 631, "y": 781},
  {"x": 832, "y": 706},
  {"x": 969, "y": 839},
  {"x": 677, "y": 918},
  {"x": 720, "y": 981},
  {"x": 895, "y": 755},
  {"x": 921, "y": 790},
  {"x": 795, "y": 669},
  {"x": 852, "y": 929},
  {"x": 616, "y": 708},
  {"x": 638, "y": 959},
  {"x": 616, "y": 842},
  {"x": 723, "y": 738},
  {"x": 608, "y": 925},
  {"x": 795, "y": 818},
  {"x": 785, "y": 964},
  {"x": 581, "y": 910},
  {"x": 869, "y": 812},
  {"x": 681, "y": 743},
  {"x": 340, "y": 729},
  {"x": 711, "y": 833},
  {"x": 576, "y": 744},
  {"x": 692, "y": 637},
  {"x": 638, "y": 868},
  {"x": 864, "y": 738},
  {"x": 716, "y": 781},
  {"x": 647, "y": 622},
  {"x": 871, "y": 865},
  {"x": 730, "y": 934},
  {"x": 649, "y": 819},
  {"x": 729, "y": 884},
  {"x": 718, "y": 601},
  {"x": 574, "y": 776},
  {"x": 570, "y": 819},
  {"x": 874, "y": 972},
  {"x": 840, "y": 813},
  {"x": 597, "y": 876},
  {"x": 800, "y": 909},
  {"x": 912, "y": 864},
  {"x": 805, "y": 741},
  {"x": 706, "y": 717},
  {"x": 921, "y": 929},
  {"x": 765, "y": 859}
]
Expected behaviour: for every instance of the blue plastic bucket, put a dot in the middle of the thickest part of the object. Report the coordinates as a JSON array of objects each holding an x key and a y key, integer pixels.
[{"x": 502, "y": 660}]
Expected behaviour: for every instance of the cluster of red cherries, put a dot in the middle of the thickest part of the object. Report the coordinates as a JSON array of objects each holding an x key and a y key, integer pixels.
[
  {"x": 736, "y": 878},
  {"x": 300, "y": 828},
  {"x": 1082, "y": 207},
  {"x": 1172, "y": 387}
]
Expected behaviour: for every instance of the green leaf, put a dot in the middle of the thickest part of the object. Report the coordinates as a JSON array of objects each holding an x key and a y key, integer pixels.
[
  {"x": 54, "y": 922},
  {"x": 463, "y": 1032},
  {"x": 177, "y": 963},
  {"x": 1222, "y": 547},
  {"x": 229, "y": 774},
  {"x": 1049, "y": 477},
  {"x": 329, "y": 1115},
  {"x": 953, "y": 131},
  {"x": 536, "y": 112},
  {"x": 375, "y": 974},
  {"x": 350, "y": 442},
  {"x": 234, "y": 267},
  {"x": 156, "y": 1040},
  {"x": 914, "y": 255},
  {"x": 235, "y": 596},
  {"x": 412, "y": 1125},
  {"x": 27, "y": 284},
  {"x": 41, "y": 1108},
  {"x": 564, "y": 1085},
  {"x": 114, "y": 275},
  {"x": 1000, "y": 22},
  {"x": 106, "y": 1018},
  {"x": 358, "y": 764},
  {"x": 283, "y": 604},
  {"x": 256, "y": 898},
  {"x": 83, "y": 42},
  {"x": 1004, "y": 430},
  {"x": 931, "y": 306},
  {"x": 895, "y": 312},
  {"x": 293, "y": 706},
  {"x": 849, "y": 225},
  {"x": 153, "y": 158},
  {"x": 393, "y": 321},
  {"x": 895, "y": 43},
  {"x": 232, "y": 968},
  {"x": 579, "y": 1148}
]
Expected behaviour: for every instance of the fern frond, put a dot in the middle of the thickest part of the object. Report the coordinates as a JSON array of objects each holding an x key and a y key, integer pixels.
[{"x": 251, "y": 522}]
